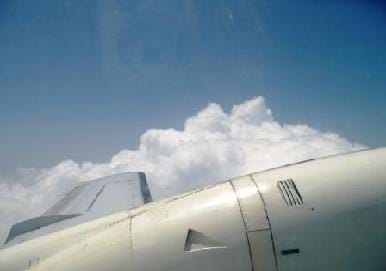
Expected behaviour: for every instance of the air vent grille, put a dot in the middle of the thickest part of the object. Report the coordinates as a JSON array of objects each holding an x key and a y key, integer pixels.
[{"x": 290, "y": 192}]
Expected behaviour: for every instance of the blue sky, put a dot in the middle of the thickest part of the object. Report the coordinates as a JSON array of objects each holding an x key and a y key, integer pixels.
[{"x": 84, "y": 79}]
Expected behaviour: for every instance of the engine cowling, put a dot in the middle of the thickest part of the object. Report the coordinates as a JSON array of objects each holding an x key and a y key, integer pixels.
[{"x": 327, "y": 214}]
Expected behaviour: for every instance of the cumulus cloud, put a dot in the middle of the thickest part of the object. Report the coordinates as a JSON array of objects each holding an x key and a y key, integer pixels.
[{"x": 214, "y": 145}]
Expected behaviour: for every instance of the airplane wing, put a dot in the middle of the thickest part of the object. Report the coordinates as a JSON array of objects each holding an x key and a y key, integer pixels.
[{"x": 87, "y": 201}]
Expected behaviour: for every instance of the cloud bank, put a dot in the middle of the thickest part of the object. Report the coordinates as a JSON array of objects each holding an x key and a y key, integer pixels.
[{"x": 214, "y": 145}]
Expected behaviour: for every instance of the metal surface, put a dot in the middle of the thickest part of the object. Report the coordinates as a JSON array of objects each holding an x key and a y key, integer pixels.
[
  {"x": 342, "y": 222},
  {"x": 102, "y": 244},
  {"x": 35, "y": 224},
  {"x": 257, "y": 225},
  {"x": 104, "y": 196},
  {"x": 333, "y": 217},
  {"x": 213, "y": 215},
  {"x": 86, "y": 202},
  {"x": 262, "y": 248},
  {"x": 251, "y": 204}
]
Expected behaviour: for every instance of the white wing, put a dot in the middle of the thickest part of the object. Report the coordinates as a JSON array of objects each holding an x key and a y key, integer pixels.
[{"x": 87, "y": 201}]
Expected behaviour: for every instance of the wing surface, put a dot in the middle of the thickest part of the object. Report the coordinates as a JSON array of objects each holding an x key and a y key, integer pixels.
[{"x": 87, "y": 201}]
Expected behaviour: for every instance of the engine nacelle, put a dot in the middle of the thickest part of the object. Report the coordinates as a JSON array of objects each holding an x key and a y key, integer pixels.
[{"x": 327, "y": 214}]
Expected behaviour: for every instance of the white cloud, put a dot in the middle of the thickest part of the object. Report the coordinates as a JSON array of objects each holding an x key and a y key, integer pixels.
[{"x": 213, "y": 146}]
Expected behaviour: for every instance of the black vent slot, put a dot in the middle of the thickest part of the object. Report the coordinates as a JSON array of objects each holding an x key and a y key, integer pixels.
[{"x": 290, "y": 192}]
